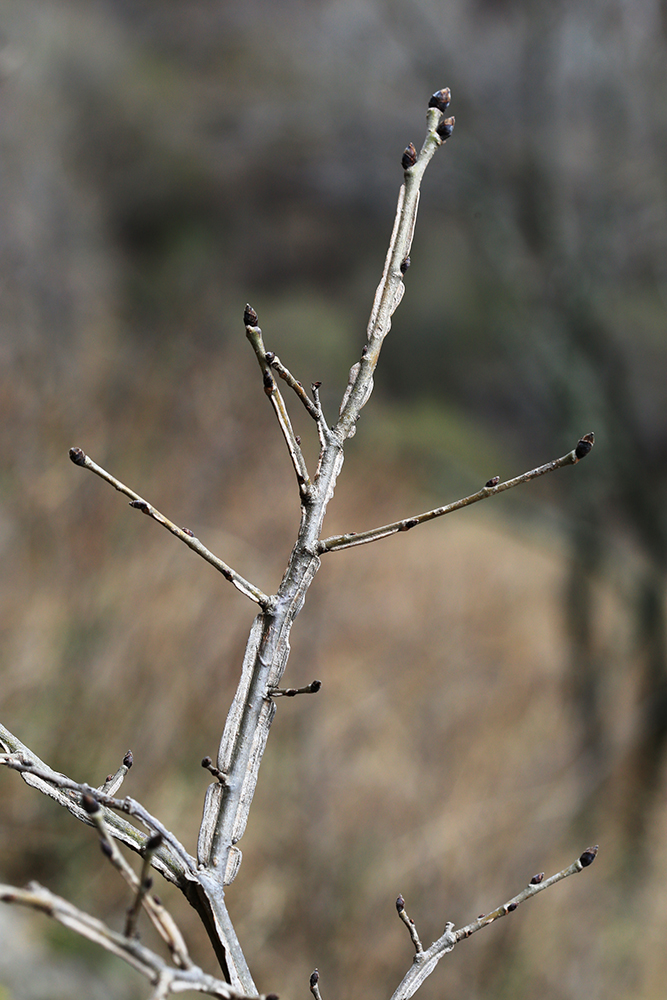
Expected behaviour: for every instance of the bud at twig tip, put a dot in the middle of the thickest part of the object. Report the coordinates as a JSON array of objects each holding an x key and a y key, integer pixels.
[
  {"x": 409, "y": 157},
  {"x": 249, "y": 316},
  {"x": 90, "y": 804},
  {"x": 400, "y": 904},
  {"x": 206, "y": 762},
  {"x": 589, "y": 856},
  {"x": 128, "y": 759},
  {"x": 78, "y": 456},
  {"x": 314, "y": 977},
  {"x": 441, "y": 99},
  {"x": 584, "y": 445}
]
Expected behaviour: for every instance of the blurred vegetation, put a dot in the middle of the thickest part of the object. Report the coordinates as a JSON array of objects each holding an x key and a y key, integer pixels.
[{"x": 495, "y": 685}]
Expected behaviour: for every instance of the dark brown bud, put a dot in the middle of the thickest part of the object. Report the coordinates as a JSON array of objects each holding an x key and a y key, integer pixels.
[
  {"x": 364, "y": 350},
  {"x": 536, "y": 879},
  {"x": 147, "y": 883},
  {"x": 108, "y": 779},
  {"x": 410, "y": 523},
  {"x": 316, "y": 385},
  {"x": 492, "y": 482},
  {"x": 270, "y": 357},
  {"x": 105, "y": 848},
  {"x": 400, "y": 904},
  {"x": 90, "y": 804},
  {"x": 315, "y": 686},
  {"x": 584, "y": 445},
  {"x": 589, "y": 856},
  {"x": 78, "y": 456},
  {"x": 445, "y": 128},
  {"x": 405, "y": 264},
  {"x": 157, "y": 900},
  {"x": 139, "y": 505},
  {"x": 188, "y": 532},
  {"x": 128, "y": 759},
  {"x": 314, "y": 978},
  {"x": 249, "y": 316},
  {"x": 269, "y": 384},
  {"x": 206, "y": 762},
  {"x": 511, "y": 907},
  {"x": 441, "y": 99},
  {"x": 409, "y": 157},
  {"x": 272, "y": 996},
  {"x": 153, "y": 842},
  {"x": 297, "y": 438}
]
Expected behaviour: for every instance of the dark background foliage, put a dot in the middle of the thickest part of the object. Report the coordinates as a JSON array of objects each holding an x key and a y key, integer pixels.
[{"x": 494, "y": 686}]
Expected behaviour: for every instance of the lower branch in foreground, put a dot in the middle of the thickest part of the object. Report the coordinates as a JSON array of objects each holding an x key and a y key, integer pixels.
[
  {"x": 337, "y": 542},
  {"x": 162, "y": 976},
  {"x": 425, "y": 962}
]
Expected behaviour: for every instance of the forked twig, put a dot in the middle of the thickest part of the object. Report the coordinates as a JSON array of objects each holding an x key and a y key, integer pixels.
[
  {"x": 337, "y": 542},
  {"x": 79, "y": 457},
  {"x": 156, "y": 970},
  {"x": 254, "y": 335},
  {"x": 425, "y": 962}
]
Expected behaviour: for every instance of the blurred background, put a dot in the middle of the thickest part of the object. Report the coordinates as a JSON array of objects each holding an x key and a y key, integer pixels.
[{"x": 494, "y": 684}]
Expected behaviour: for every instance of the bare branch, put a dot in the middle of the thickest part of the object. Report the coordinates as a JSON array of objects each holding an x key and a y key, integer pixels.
[
  {"x": 425, "y": 962},
  {"x": 285, "y": 374},
  {"x": 391, "y": 288},
  {"x": 135, "y": 954},
  {"x": 337, "y": 542},
  {"x": 114, "y": 781},
  {"x": 410, "y": 924},
  {"x": 79, "y": 457},
  {"x": 254, "y": 335},
  {"x": 171, "y": 860}
]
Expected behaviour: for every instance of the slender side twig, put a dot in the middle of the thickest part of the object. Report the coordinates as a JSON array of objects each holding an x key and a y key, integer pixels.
[
  {"x": 114, "y": 781},
  {"x": 337, "y": 542},
  {"x": 79, "y": 457},
  {"x": 140, "y": 885},
  {"x": 156, "y": 970},
  {"x": 410, "y": 924},
  {"x": 311, "y": 688},
  {"x": 425, "y": 962},
  {"x": 274, "y": 361},
  {"x": 254, "y": 335}
]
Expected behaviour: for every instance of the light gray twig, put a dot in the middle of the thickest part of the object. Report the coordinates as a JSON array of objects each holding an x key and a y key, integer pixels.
[
  {"x": 254, "y": 335},
  {"x": 337, "y": 542},
  {"x": 79, "y": 457},
  {"x": 425, "y": 962},
  {"x": 286, "y": 375},
  {"x": 50, "y": 781},
  {"x": 170, "y": 980}
]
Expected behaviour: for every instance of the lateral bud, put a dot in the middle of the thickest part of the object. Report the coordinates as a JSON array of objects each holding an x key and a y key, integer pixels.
[
  {"x": 445, "y": 128},
  {"x": 409, "y": 157},
  {"x": 441, "y": 99},
  {"x": 589, "y": 856},
  {"x": 536, "y": 879},
  {"x": 249, "y": 316},
  {"x": 492, "y": 482},
  {"x": 92, "y": 806}
]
